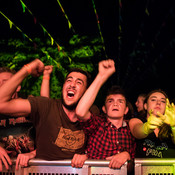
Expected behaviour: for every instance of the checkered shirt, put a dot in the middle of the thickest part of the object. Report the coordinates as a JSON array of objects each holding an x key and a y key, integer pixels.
[{"x": 105, "y": 140}]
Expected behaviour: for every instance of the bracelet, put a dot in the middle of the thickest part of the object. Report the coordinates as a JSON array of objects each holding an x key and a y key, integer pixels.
[
  {"x": 46, "y": 77},
  {"x": 173, "y": 127},
  {"x": 29, "y": 69}
]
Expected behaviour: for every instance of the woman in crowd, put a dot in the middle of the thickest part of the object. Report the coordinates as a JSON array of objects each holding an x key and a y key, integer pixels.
[{"x": 155, "y": 133}]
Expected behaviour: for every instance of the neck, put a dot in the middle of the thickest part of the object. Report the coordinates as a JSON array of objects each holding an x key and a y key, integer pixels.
[
  {"x": 116, "y": 122},
  {"x": 70, "y": 114}
]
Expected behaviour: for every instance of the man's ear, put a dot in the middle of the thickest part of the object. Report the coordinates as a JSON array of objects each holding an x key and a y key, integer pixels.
[
  {"x": 145, "y": 106},
  {"x": 104, "y": 109},
  {"x": 126, "y": 110}
]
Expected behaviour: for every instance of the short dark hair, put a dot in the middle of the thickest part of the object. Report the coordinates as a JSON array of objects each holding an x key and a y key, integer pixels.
[
  {"x": 86, "y": 73},
  {"x": 117, "y": 90},
  {"x": 6, "y": 69},
  {"x": 142, "y": 95}
]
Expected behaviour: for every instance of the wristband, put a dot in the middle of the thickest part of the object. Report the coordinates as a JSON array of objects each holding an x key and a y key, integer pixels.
[
  {"x": 46, "y": 77},
  {"x": 29, "y": 69}
]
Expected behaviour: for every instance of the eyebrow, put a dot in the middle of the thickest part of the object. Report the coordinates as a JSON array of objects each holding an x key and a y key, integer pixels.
[
  {"x": 156, "y": 97},
  {"x": 120, "y": 99},
  {"x": 76, "y": 79}
]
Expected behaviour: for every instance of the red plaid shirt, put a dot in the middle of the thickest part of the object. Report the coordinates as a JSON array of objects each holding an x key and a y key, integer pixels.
[{"x": 106, "y": 140}]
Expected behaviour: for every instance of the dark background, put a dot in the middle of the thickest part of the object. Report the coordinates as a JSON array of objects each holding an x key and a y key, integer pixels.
[{"x": 138, "y": 34}]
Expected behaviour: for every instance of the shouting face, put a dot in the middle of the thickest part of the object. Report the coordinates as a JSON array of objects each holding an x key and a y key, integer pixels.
[{"x": 73, "y": 89}]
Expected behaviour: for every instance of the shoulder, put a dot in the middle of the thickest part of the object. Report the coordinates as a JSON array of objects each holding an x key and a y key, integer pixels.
[
  {"x": 43, "y": 102},
  {"x": 42, "y": 99}
]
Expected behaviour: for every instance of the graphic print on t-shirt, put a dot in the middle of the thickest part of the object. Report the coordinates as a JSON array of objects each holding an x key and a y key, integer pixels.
[
  {"x": 151, "y": 149},
  {"x": 70, "y": 140},
  {"x": 15, "y": 135}
]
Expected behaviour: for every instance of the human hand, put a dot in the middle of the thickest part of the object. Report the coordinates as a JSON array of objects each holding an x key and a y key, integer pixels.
[
  {"x": 169, "y": 116},
  {"x": 116, "y": 161},
  {"x": 152, "y": 123},
  {"x": 35, "y": 68},
  {"x": 4, "y": 158},
  {"x": 106, "y": 68},
  {"x": 78, "y": 160},
  {"x": 47, "y": 70},
  {"x": 23, "y": 159}
]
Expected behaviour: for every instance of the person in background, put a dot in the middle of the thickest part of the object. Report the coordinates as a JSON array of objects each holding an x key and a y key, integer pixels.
[
  {"x": 109, "y": 135},
  {"x": 140, "y": 105},
  {"x": 23, "y": 158},
  {"x": 57, "y": 115},
  {"x": 14, "y": 138},
  {"x": 140, "y": 102},
  {"x": 155, "y": 133}
]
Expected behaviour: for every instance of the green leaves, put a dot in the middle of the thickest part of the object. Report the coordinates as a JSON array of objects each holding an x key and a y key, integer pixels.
[{"x": 80, "y": 52}]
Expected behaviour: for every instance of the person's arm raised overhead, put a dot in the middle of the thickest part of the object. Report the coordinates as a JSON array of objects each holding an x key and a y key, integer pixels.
[
  {"x": 45, "y": 85},
  {"x": 106, "y": 69},
  {"x": 18, "y": 106}
]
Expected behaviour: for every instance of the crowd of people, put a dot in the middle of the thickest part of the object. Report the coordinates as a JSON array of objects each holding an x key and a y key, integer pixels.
[{"x": 70, "y": 128}]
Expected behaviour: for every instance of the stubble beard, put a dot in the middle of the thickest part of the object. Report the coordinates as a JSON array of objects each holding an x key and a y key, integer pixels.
[{"x": 69, "y": 107}]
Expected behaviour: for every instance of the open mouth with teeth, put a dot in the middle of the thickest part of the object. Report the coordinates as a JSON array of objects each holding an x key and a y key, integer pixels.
[{"x": 70, "y": 94}]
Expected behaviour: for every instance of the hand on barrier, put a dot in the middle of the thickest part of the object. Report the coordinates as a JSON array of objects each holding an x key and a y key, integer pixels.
[
  {"x": 23, "y": 159},
  {"x": 152, "y": 123},
  {"x": 78, "y": 160},
  {"x": 169, "y": 116},
  {"x": 4, "y": 158},
  {"x": 116, "y": 161}
]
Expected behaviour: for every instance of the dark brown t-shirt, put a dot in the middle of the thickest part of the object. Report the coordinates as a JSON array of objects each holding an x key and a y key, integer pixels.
[{"x": 56, "y": 136}]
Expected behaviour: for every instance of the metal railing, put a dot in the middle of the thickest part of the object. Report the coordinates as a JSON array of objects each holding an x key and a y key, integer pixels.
[
  {"x": 63, "y": 167},
  {"x": 155, "y": 166}
]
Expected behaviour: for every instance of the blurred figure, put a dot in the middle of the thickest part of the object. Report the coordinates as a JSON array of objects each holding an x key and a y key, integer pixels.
[
  {"x": 140, "y": 102},
  {"x": 14, "y": 135}
]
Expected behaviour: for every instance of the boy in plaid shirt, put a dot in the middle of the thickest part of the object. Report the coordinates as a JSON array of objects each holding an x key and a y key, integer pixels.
[{"x": 109, "y": 135}]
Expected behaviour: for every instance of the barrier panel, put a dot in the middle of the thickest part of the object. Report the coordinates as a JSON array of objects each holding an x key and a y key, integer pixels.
[
  {"x": 155, "y": 166},
  {"x": 63, "y": 167}
]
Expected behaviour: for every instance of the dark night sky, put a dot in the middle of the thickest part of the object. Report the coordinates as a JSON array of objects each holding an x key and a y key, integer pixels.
[{"x": 144, "y": 53}]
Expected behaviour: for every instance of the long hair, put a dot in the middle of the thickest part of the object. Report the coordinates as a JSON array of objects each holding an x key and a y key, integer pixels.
[{"x": 165, "y": 129}]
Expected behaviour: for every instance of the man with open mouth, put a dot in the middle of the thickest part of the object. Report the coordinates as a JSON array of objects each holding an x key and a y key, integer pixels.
[{"x": 59, "y": 134}]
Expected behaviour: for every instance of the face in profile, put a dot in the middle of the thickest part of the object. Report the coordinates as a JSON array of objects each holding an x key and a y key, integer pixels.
[
  {"x": 156, "y": 102},
  {"x": 73, "y": 89},
  {"x": 140, "y": 103},
  {"x": 4, "y": 77}
]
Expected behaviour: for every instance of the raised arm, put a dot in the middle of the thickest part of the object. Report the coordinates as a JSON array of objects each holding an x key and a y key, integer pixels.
[
  {"x": 45, "y": 85},
  {"x": 18, "y": 106},
  {"x": 106, "y": 69}
]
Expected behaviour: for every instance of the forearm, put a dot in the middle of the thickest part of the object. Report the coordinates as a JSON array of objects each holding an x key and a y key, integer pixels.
[
  {"x": 89, "y": 97},
  {"x": 32, "y": 154},
  {"x": 136, "y": 127},
  {"x": 8, "y": 89},
  {"x": 45, "y": 88}
]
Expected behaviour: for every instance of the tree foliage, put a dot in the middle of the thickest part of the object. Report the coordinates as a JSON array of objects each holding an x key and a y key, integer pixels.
[{"x": 80, "y": 52}]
